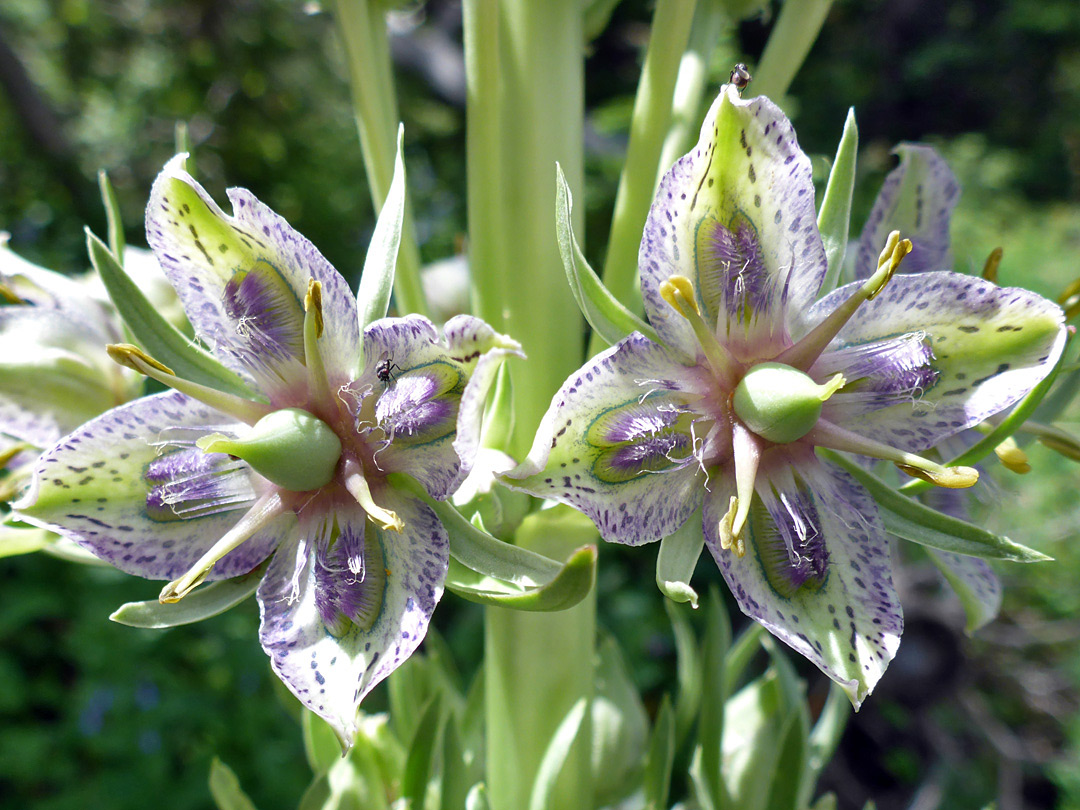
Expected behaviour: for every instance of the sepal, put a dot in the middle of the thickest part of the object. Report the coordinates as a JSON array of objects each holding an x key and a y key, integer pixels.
[{"x": 606, "y": 315}]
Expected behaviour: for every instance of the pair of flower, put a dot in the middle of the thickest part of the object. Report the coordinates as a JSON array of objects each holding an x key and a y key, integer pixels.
[{"x": 719, "y": 419}]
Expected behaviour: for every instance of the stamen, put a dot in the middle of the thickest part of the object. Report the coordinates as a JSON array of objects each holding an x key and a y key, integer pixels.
[
  {"x": 358, "y": 487},
  {"x": 135, "y": 358},
  {"x": 829, "y": 435},
  {"x": 993, "y": 261},
  {"x": 806, "y": 352},
  {"x": 678, "y": 291},
  {"x": 313, "y": 329},
  {"x": 728, "y": 538},
  {"x": 10, "y": 453},
  {"x": 747, "y": 453},
  {"x": 9, "y": 295},
  {"x": 265, "y": 510},
  {"x": 1012, "y": 457}
]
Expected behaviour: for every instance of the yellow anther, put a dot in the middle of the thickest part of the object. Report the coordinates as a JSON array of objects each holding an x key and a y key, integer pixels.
[
  {"x": 947, "y": 477},
  {"x": 993, "y": 261},
  {"x": 895, "y": 251},
  {"x": 678, "y": 291},
  {"x": 9, "y": 295},
  {"x": 1066, "y": 446},
  {"x": 1012, "y": 457},
  {"x": 728, "y": 538},
  {"x": 136, "y": 359},
  {"x": 313, "y": 304}
]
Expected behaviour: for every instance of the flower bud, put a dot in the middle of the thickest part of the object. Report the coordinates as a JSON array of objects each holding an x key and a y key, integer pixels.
[
  {"x": 290, "y": 448},
  {"x": 781, "y": 403}
]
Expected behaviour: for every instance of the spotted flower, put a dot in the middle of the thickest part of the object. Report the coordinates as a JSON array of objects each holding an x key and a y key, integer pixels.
[
  {"x": 199, "y": 484},
  {"x": 752, "y": 374}
]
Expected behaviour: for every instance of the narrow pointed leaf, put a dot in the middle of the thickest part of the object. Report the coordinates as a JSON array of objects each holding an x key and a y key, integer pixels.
[
  {"x": 455, "y": 781},
  {"x": 676, "y": 561},
  {"x": 202, "y": 603},
  {"x": 554, "y": 758},
  {"x": 741, "y": 653},
  {"x": 825, "y": 737},
  {"x": 660, "y": 758},
  {"x": 907, "y": 518},
  {"x": 792, "y": 753},
  {"x": 377, "y": 280},
  {"x": 477, "y": 798},
  {"x": 112, "y": 215},
  {"x": 606, "y": 315},
  {"x": 225, "y": 788},
  {"x": 688, "y": 671},
  {"x": 714, "y": 696},
  {"x": 568, "y": 587},
  {"x": 160, "y": 338},
  {"x": 419, "y": 764},
  {"x": 317, "y": 794},
  {"x": 834, "y": 217}
]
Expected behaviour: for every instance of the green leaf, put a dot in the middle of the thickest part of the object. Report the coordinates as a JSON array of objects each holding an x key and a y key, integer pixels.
[
  {"x": 112, "y": 215},
  {"x": 714, "y": 695},
  {"x": 688, "y": 671},
  {"x": 202, "y": 603},
  {"x": 834, "y": 217},
  {"x": 377, "y": 279},
  {"x": 477, "y": 798},
  {"x": 455, "y": 774},
  {"x": 825, "y": 737},
  {"x": 568, "y": 587},
  {"x": 606, "y": 315},
  {"x": 907, "y": 518},
  {"x": 23, "y": 541},
  {"x": 620, "y": 727},
  {"x": 317, "y": 794},
  {"x": 554, "y": 758},
  {"x": 660, "y": 758},
  {"x": 321, "y": 746},
  {"x": 225, "y": 788},
  {"x": 160, "y": 338},
  {"x": 677, "y": 559},
  {"x": 419, "y": 764},
  {"x": 793, "y": 749}
]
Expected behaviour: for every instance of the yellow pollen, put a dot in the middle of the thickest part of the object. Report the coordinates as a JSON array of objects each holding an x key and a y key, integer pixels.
[
  {"x": 1012, "y": 457},
  {"x": 313, "y": 304},
  {"x": 135, "y": 358},
  {"x": 947, "y": 477},
  {"x": 889, "y": 260},
  {"x": 678, "y": 291},
  {"x": 993, "y": 261},
  {"x": 728, "y": 538}
]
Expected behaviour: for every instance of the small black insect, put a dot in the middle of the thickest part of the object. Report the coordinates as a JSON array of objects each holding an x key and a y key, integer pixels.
[
  {"x": 385, "y": 370},
  {"x": 740, "y": 77}
]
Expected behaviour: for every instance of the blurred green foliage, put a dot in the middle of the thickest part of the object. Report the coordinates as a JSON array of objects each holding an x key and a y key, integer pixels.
[{"x": 98, "y": 715}]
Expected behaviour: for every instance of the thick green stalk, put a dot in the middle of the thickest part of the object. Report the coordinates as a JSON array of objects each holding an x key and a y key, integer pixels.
[
  {"x": 367, "y": 52},
  {"x": 795, "y": 31},
  {"x": 648, "y": 128},
  {"x": 525, "y": 65}
]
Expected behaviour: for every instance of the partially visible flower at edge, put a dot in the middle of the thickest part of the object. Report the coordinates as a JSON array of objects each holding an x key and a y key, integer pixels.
[
  {"x": 199, "y": 484},
  {"x": 753, "y": 374}
]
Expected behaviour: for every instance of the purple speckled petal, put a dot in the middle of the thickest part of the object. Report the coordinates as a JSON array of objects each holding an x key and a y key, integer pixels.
[
  {"x": 616, "y": 443},
  {"x": 916, "y": 199},
  {"x": 430, "y": 406},
  {"x": 308, "y": 608},
  {"x": 242, "y": 280},
  {"x": 130, "y": 488},
  {"x": 991, "y": 346},
  {"x": 847, "y": 622},
  {"x": 736, "y": 216}
]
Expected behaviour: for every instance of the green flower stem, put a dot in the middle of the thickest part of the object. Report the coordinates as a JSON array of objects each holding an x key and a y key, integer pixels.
[
  {"x": 711, "y": 31},
  {"x": 648, "y": 129},
  {"x": 794, "y": 33},
  {"x": 525, "y": 78},
  {"x": 367, "y": 53}
]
